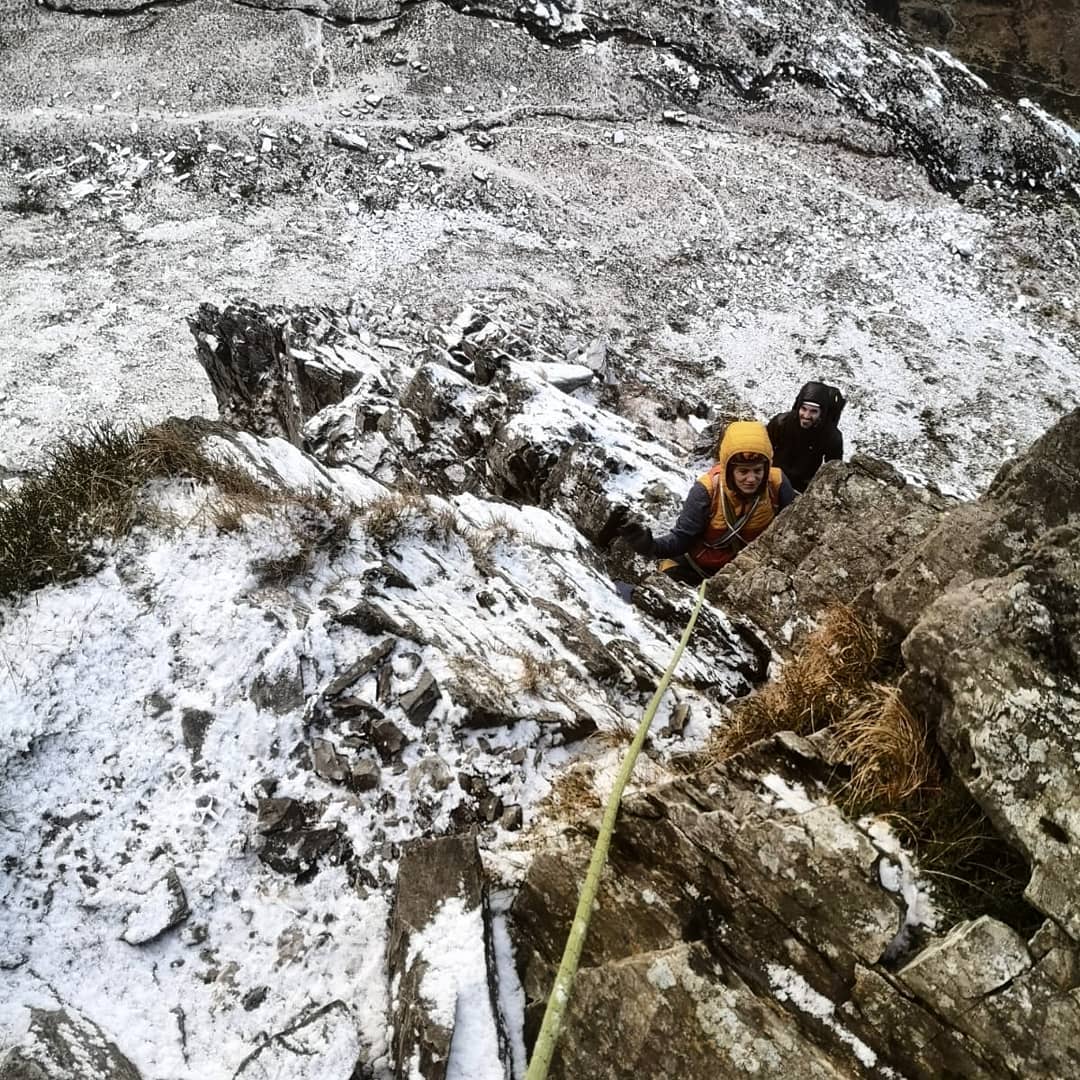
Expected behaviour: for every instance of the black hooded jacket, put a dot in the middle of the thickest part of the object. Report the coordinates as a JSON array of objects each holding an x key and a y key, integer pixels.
[{"x": 799, "y": 452}]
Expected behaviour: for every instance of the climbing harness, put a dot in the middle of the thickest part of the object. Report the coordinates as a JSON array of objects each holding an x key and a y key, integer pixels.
[{"x": 564, "y": 978}]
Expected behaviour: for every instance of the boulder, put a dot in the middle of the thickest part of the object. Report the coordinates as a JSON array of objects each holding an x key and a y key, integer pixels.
[
  {"x": 62, "y": 1045},
  {"x": 161, "y": 908}
]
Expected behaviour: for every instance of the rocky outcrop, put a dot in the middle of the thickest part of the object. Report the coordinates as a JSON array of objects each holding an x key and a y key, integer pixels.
[
  {"x": 855, "y": 520},
  {"x": 62, "y": 1045},
  {"x": 740, "y": 900},
  {"x": 1032, "y": 46},
  {"x": 742, "y": 928},
  {"x": 996, "y": 663},
  {"x": 441, "y": 967}
]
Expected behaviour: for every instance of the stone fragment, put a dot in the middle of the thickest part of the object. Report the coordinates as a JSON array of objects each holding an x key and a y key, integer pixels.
[
  {"x": 63, "y": 1045},
  {"x": 420, "y": 702},
  {"x": 194, "y": 724},
  {"x": 160, "y": 909},
  {"x": 388, "y": 738},
  {"x": 366, "y": 775},
  {"x": 360, "y": 667},
  {"x": 348, "y": 140}
]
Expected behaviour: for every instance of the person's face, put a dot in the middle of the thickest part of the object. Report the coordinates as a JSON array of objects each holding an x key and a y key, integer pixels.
[
  {"x": 809, "y": 414},
  {"x": 748, "y": 477}
]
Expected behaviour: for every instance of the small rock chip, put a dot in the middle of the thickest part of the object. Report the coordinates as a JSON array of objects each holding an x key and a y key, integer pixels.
[
  {"x": 403, "y": 143},
  {"x": 618, "y": 138}
]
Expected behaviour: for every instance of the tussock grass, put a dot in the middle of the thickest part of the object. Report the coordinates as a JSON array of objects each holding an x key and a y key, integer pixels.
[
  {"x": 892, "y": 768},
  {"x": 888, "y": 748},
  {"x": 482, "y": 543},
  {"x": 90, "y": 488},
  {"x": 388, "y": 517},
  {"x": 814, "y": 689}
]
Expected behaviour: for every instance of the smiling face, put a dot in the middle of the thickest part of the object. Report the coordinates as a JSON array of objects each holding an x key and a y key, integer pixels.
[
  {"x": 748, "y": 477},
  {"x": 809, "y": 414}
]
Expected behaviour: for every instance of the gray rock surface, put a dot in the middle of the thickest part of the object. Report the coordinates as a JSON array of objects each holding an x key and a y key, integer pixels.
[{"x": 62, "y": 1045}]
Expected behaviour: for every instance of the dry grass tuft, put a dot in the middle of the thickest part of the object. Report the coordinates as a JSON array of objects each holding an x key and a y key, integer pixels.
[
  {"x": 482, "y": 543},
  {"x": 896, "y": 768},
  {"x": 887, "y": 747},
  {"x": 388, "y": 517},
  {"x": 813, "y": 690},
  {"x": 573, "y": 794},
  {"x": 90, "y": 489}
]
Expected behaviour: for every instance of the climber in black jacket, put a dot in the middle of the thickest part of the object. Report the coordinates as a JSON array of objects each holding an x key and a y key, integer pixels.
[{"x": 805, "y": 437}]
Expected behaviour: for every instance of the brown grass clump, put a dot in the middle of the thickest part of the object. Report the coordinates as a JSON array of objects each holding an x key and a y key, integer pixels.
[
  {"x": 387, "y": 517},
  {"x": 887, "y": 747},
  {"x": 892, "y": 766},
  {"x": 813, "y": 690},
  {"x": 90, "y": 489},
  {"x": 482, "y": 543}
]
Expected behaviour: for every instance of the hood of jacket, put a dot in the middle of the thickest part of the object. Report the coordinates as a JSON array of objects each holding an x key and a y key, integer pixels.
[
  {"x": 744, "y": 437},
  {"x": 816, "y": 393}
]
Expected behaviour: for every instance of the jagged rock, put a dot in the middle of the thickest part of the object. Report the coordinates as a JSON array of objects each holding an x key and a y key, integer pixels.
[
  {"x": 566, "y": 377},
  {"x": 511, "y": 819},
  {"x": 388, "y": 739},
  {"x": 431, "y": 772},
  {"x": 997, "y": 664},
  {"x": 161, "y": 908},
  {"x": 982, "y": 980},
  {"x": 747, "y": 869},
  {"x": 328, "y": 763},
  {"x": 62, "y": 1045},
  {"x": 321, "y": 1046},
  {"x": 374, "y": 617},
  {"x": 420, "y": 702},
  {"x": 986, "y": 538},
  {"x": 854, "y": 520},
  {"x": 366, "y": 775},
  {"x": 439, "y": 894},
  {"x": 360, "y": 667},
  {"x": 291, "y": 842},
  {"x": 677, "y": 1014},
  {"x": 491, "y": 808},
  {"x": 272, "y": 368},
  {"x": 194, "y": 724},
  {"x": 280, "y": 692}
]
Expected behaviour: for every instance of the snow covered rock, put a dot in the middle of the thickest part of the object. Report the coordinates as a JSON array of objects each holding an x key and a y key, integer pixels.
[
  {"x": 321, "y": 1046},
  {"x": 62, "y": 1045},
  {"x": 440, "y": 966},
  {"x": 1031, "y": 495},
  {"x": 160, "y": 909}
]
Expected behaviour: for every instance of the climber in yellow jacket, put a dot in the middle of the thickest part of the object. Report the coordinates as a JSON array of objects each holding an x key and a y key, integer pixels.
[{"x": 728, "y": 506}]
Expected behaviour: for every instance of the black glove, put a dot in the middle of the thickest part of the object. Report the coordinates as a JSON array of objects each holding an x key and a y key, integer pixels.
[{"x": 639, "y": 537}]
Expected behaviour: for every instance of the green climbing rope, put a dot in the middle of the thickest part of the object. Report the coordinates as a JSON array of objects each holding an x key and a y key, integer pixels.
[{"x": 564, "y": 979}]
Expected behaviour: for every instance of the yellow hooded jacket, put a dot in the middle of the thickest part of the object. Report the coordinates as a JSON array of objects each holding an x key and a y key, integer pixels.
[{"x": 736, "y": 519}]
